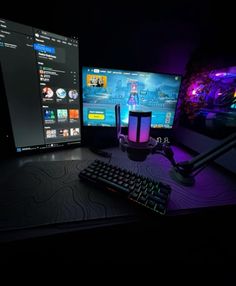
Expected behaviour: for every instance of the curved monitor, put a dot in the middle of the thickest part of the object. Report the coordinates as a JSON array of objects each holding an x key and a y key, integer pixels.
[
  {"x": 40, "y": 74},
  {"x": 103, "y": 88}
]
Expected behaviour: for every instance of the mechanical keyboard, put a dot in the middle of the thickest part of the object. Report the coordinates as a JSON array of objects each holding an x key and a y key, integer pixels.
[{"x": 139, "y": 189}]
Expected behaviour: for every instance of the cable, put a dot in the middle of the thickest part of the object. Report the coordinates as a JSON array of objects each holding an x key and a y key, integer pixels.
[{"x": 165, "y": 151}]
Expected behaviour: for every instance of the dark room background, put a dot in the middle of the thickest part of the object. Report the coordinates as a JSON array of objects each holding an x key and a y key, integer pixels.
[
  {"x": 144, "y": 36},
  {"x": 153, "y": 36}
]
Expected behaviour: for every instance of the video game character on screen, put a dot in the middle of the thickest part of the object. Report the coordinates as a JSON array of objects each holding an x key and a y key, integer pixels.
[
  {"x": 133, "y": 96},
  {"x": 136, "y": 91}
]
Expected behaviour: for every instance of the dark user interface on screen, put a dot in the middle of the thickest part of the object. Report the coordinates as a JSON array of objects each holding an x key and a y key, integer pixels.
[{"x": 40, "y": 72}]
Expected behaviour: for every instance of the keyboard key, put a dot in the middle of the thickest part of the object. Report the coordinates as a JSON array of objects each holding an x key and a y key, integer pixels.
[{"x": 151, "y": 204}]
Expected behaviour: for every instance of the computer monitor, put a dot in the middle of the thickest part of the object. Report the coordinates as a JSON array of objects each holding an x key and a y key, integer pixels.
[
  {"x": 103, "y": 88},
  {"x": 208, "y": 111},
  {"x": 40, "y": 74},
  {"x": 209, "y": 104}
]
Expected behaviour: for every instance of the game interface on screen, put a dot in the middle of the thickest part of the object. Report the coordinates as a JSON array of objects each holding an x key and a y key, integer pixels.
[{"x": 136, "y": 91}]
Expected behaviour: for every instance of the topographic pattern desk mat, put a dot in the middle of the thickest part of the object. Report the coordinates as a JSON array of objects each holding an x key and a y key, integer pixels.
[
  {"x": 49, "y": 192},
  {"x": 43, "y": 193}
]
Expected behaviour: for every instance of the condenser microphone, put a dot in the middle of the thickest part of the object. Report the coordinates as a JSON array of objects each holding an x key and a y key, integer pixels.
[
  {"x": 139, "y": 128},
  {"x": 138, "y": 143}
]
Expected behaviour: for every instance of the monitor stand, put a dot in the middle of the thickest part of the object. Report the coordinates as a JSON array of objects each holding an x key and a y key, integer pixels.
[{"x": 99, "y": 137}]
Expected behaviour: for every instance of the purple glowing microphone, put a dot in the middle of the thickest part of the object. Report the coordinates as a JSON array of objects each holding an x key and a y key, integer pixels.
[{"x": 139, "y": 127}]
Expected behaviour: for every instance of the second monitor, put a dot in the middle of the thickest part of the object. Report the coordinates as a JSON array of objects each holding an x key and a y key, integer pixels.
[{"x": 103, "y": 88}]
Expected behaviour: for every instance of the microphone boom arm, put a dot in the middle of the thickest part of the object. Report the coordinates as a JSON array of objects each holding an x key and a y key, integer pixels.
[{"x": 184, "y": 171}]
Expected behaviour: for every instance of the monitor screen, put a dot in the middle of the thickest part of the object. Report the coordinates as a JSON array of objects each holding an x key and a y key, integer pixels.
[
  {"x": 209, "y": 102},
  {"x": 40, "y": 72},
  {"x": 103, "y": 88}
]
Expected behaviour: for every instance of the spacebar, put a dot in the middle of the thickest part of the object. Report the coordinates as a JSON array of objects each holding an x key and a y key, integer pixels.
[{"x": 115, "y": 187}]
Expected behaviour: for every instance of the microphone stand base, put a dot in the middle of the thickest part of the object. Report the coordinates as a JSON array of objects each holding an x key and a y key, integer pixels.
[{"x": 186, "y": 180}]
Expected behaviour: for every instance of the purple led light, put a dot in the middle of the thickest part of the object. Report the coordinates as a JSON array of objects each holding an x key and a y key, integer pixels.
[
  {"x": 145, "y": 129},
  {"x": 132, "y": 129},
  {"x": 220, "y": 74}
]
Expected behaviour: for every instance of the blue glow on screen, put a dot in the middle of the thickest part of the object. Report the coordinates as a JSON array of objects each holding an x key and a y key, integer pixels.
[
  {"x": 102, "y": 89},
  {"x": 44, "y": 49}
]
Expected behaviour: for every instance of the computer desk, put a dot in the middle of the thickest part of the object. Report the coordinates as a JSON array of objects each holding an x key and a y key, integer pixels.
[{"x": 42, "y": 195}]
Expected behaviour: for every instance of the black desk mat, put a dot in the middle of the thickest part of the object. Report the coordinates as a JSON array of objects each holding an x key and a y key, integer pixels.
[
  {"x": 49, "y": 192},
  {"x": 214, "y": 187},
  {"x": 42, "y": 193}
]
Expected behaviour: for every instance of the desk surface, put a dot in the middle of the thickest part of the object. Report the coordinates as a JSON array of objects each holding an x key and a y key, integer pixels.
[{"x": 44, "y": 191}]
